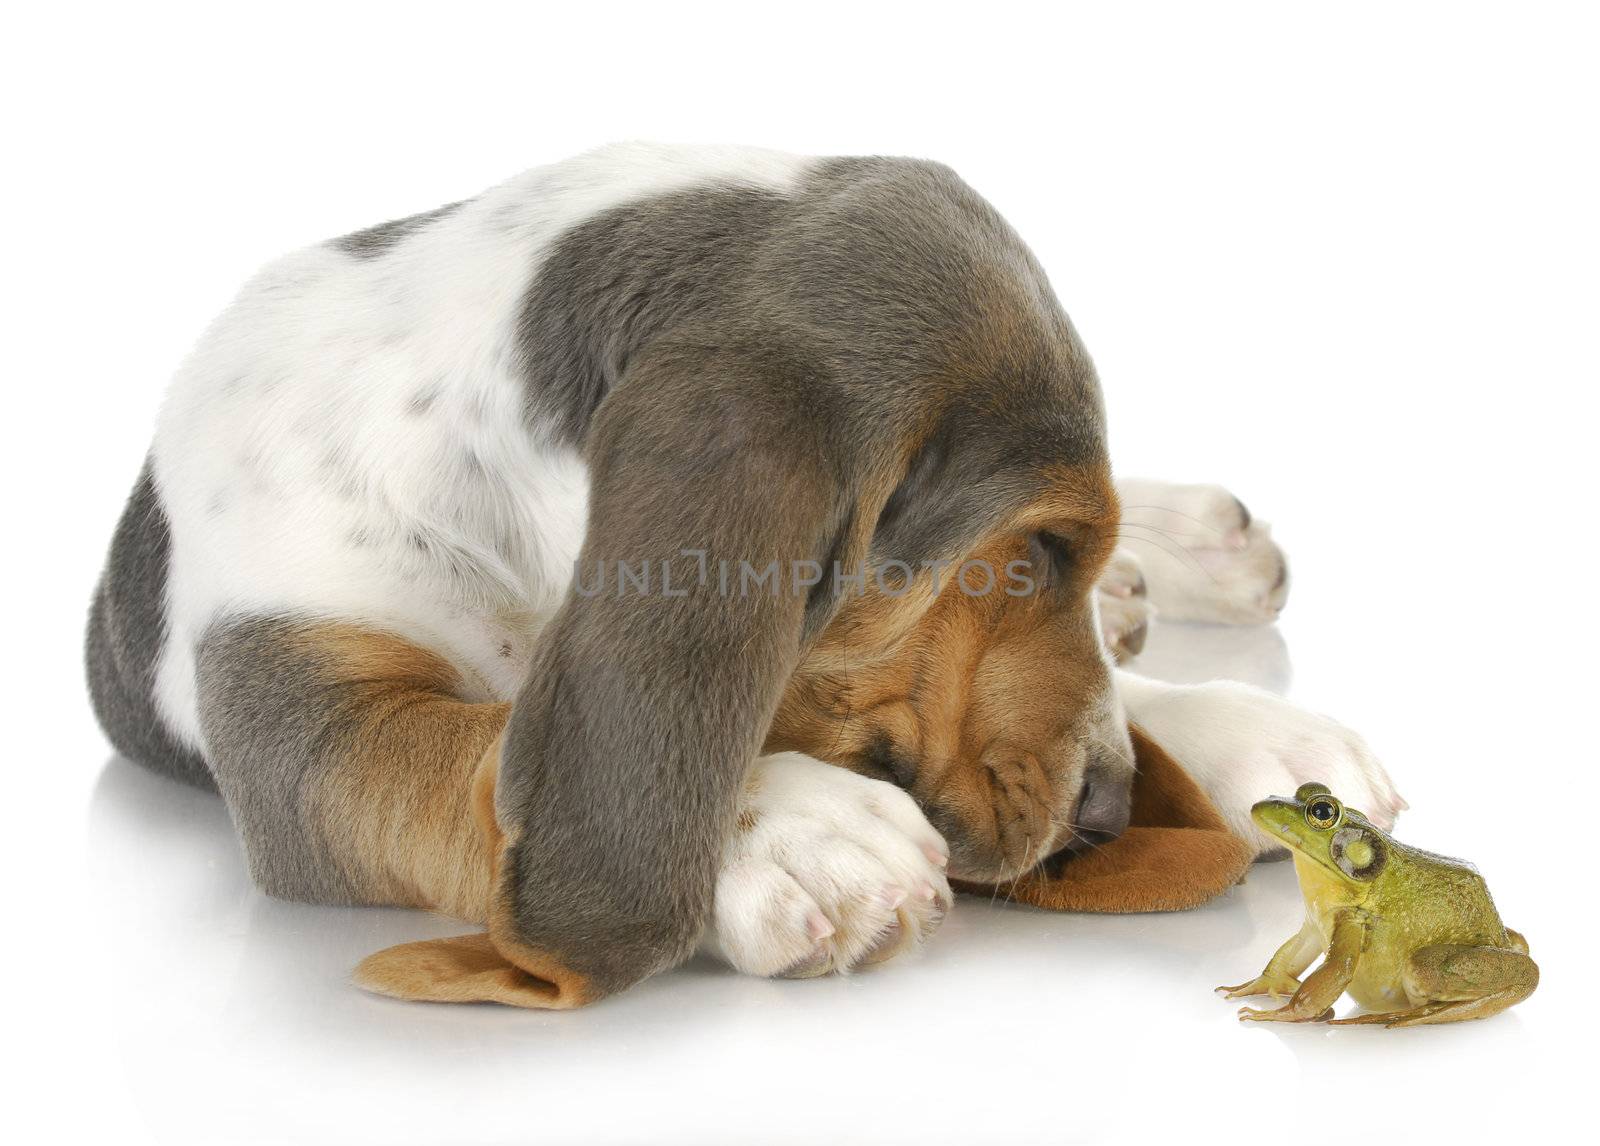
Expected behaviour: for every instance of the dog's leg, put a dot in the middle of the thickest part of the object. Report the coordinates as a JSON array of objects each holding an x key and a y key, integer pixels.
[
  {"x": 347, "y": 762},
  {"x": 825, "y": 870},
  {"x": 1242, "y": 744},
  {"x": 356, "y": 775},
  {"x": 1204, "y": 557}
]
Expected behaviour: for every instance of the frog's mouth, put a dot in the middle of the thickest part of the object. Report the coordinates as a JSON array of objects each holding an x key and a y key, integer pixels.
[{"x": 1283, "y": 821}]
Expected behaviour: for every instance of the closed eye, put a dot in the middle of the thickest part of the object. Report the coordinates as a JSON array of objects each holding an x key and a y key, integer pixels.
[
  {"x": 1051, "y": 555},
  {"x": 888, "y": 764}
]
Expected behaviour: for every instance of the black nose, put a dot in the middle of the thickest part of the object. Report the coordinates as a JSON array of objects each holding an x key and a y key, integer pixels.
[{"x": 1104, "y": 807}]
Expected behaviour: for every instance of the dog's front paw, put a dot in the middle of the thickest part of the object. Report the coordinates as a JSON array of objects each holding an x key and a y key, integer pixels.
[
  {"x": 826, "y": 870},
  {"x": 1124, "y": 604},
  {"x": 1242, "y": 744},
  {"x": 1205, "y": 558}
]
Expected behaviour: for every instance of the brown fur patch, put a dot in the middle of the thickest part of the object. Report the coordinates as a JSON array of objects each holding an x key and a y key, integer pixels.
[
  {"x": 394, "y": 806},
  {"x": 980, "y": 703},
  {"x": 462, "y": 969}
]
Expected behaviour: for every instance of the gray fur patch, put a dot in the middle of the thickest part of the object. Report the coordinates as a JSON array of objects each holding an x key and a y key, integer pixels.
[
  {"x": 127, "y": 629},
  {"x": 625, "y": 750},
  {"x": 919, "y": 302},
  {"x": 373, "y": 242},
  {"x": 269, "y": 729},
  {"x": 422, "y": 401},
  {"x": 626, "y": 277}
]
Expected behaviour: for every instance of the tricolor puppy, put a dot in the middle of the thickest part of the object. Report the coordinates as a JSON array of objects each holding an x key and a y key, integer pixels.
[{"x": 666, "y": 546}]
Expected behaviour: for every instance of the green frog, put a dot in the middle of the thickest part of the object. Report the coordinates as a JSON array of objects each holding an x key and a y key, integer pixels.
[{"x": 1413, "y": 937}]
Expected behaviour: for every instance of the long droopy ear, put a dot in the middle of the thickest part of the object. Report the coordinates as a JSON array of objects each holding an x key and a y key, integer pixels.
[
  {"x": 651, "y": 690},
  {"x": 1176, "y": 853},
  {"x": 478, "y": 968}
]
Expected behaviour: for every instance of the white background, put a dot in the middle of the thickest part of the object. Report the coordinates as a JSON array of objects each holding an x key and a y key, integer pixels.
[{"x": 1342, "y": 258}]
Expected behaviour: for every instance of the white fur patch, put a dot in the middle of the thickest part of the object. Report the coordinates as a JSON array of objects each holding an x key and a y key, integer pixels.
[
  {"x": 348, "y": 438},
  {"x": 1243, "y": 744},
  {"x": 1203, "y": 557}
]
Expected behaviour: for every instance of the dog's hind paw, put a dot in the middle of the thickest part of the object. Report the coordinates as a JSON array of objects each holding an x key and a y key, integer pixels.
[{"x": 1204, "y": 557}]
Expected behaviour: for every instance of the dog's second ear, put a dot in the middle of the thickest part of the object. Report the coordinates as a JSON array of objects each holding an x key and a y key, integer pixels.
[
  {"x": 712, "y": 479},
  {"x": 476, "y": 968},
  {"x": 463, "y": 969},
  {"x": 1176, "y": 853}
]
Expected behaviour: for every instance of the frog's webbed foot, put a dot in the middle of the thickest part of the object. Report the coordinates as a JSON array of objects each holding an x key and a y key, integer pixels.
[
  {"x": 1281, "y": 977},
  {"x": 1289, "y": 1014},
  {"x": 1429, "y": 1013},
  {"x": 1387, "y": 1018},
  {"x": 1278, "y": 986},
  {"x": 1313, "y": 1002},
  {"x": 1452, "y": 1011}
]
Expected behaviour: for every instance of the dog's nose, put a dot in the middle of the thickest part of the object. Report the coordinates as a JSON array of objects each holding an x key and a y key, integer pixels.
[{"x": 1104, "y": 806}]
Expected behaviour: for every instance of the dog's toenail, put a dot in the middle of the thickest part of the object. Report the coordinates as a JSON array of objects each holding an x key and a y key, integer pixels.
[
  {"x": 935, "y": 856},
  {"x": 817, "y": 925},
  {"x": 892, "y": 897}
]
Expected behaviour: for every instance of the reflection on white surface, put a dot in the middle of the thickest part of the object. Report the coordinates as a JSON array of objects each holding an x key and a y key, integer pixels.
[
  {"x": 1013, "y": 1025},
  {"x": 1193, "y": 654}
]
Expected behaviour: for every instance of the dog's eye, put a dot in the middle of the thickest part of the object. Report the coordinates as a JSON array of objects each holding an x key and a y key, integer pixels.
[
  {"x": 890, "y": 765},
  {"x": 1324, "y": 812},
  {"x": 1050, "y": 554}
]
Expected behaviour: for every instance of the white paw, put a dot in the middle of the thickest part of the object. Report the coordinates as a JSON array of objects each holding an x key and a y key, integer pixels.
[
  {"x": 1204, "y": 557},
  {"x": 1242, "y": 744},
  {"x": 825, "y": 871},
  {"x": 1125, "y": 609}
]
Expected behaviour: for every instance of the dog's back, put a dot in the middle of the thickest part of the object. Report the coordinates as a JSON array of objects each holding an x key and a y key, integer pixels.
[{"x": 358, "y": 436}]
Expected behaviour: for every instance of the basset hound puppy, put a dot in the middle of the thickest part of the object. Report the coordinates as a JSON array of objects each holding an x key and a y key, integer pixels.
[{"x": 668, "y": 547}]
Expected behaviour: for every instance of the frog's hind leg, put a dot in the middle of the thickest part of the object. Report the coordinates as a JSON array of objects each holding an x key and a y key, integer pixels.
[{"x": 1460, "y": 983}]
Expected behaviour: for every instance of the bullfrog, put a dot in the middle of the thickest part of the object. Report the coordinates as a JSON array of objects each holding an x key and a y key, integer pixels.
[{"x": 1412, "y": 936}]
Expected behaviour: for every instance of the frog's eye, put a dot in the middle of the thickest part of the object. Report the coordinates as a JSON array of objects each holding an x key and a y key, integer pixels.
[{"x": 1324, "y": 812}]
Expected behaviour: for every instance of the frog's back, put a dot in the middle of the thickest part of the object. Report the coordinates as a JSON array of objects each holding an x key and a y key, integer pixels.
[{"x": 1438, "y": 899}]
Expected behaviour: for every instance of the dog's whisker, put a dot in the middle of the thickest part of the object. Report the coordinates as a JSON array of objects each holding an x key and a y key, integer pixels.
[
  {"x": 1011, "y": 889},
  {"x": 1184, "y": 554},
  {"x": 1180, "y": 554},
  {"x": 1175, "y": 513},
  {"x": 1165, "y": 532}
]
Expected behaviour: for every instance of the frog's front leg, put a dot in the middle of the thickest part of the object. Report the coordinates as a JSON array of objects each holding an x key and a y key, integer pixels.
[
  {"x": 1460, "y": 983},
  {"x": 1313, "y": 1002},
  {"x": 1282, "y": 976}
]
